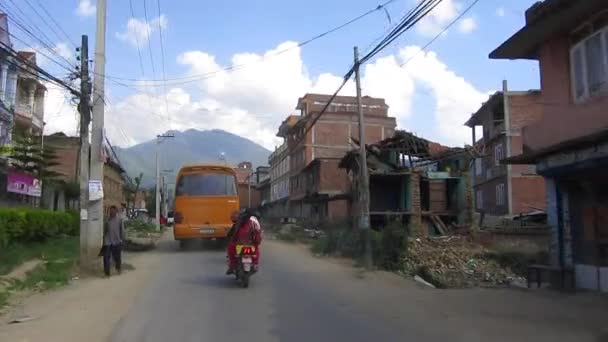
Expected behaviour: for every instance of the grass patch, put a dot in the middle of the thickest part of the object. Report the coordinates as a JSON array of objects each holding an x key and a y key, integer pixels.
[{"x": 59, "y": 256}]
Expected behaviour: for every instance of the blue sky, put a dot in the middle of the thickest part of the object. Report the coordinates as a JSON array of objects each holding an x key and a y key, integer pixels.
[{"x": 202, "y": 35}]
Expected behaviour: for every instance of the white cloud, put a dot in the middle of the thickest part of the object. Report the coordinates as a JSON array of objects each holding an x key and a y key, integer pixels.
[
  {"x": 86, "y": 8},
  {"x": 60, "y": 114},
  {"x": 64, "y": 51},
  {"x": 467, "y": 25},
  {"x": 138, "y": 31},
  {"x": 252, "y": 101},
  {"x": 455, "y": 98},
  {"x": 500, "y": 11},
  {"x": 438, "y": 18},
  {"x": 60, "y": 53}
]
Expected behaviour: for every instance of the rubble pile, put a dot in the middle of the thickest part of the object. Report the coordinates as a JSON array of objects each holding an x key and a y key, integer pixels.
[{"x": 456, "y": 261}]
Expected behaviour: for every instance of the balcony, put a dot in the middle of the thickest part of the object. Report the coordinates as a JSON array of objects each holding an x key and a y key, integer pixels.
[{"x": 24, "y": 110}]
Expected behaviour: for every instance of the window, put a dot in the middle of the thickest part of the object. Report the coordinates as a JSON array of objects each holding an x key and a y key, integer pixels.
[
  {"x": 500, "y": 194},
  {"x": 478, "y": 166},
  {"x": 498, "y": 154},
  {"x": 479, "y": 199},
  {"x": 589, "y": 64},
  {"x": 210, "y": 184}
]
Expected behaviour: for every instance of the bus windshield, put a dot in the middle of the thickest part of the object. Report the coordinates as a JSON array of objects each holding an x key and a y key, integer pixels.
[{"x": 206, "y": 184}]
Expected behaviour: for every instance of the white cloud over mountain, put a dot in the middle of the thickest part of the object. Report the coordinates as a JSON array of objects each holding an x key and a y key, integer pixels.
[{"x": 253, "y": 100}]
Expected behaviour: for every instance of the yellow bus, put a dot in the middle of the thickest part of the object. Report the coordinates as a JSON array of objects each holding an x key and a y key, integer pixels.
[{"x": 205, "y": 196}]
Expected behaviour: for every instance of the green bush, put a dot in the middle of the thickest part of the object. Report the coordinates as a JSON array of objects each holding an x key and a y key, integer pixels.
[
  {"x": 387, "y": 245},
  {"x": 29, "y": 225},
  {"x": 140, "y": 226}
]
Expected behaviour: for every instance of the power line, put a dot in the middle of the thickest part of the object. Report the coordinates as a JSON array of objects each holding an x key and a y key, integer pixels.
[
  {"x": 141, "y": 62},
  {"x": 195, "y": 78},
  {"x": 149, "y": 30},
  {"x": 22, "y": 16},
  {"x": 45, "y": 74},
  {"x": 42, "y": 53},
  {"x": 162, "y": 54},
  {"x": 28, "y": 31},
  {"x": 412, "y": 18},
  {"x": 441, "y": 33},
  {"x": 421, "y": 9},
  {"x": 43, "y": 20},
  {"x": 67, "y": 36}
]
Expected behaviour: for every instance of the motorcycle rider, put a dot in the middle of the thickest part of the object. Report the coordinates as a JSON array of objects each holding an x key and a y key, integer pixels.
[{"x": 245, "y": 231}]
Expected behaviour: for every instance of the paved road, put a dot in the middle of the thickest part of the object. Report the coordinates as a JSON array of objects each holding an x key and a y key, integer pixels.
[{"x": 297, "y": 297}]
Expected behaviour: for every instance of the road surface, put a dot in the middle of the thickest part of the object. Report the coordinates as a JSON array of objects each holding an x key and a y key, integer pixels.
[{"x": 297, "y": 297}]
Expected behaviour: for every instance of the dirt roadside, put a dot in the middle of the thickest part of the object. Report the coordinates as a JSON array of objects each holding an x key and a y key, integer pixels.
[{"x": 85, "y": 310}]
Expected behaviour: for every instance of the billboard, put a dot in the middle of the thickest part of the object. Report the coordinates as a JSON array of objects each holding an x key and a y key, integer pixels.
[{"x": 22, "y": 183}]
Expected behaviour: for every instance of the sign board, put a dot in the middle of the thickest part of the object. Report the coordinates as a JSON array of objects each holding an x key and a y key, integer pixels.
[
  {"x": 95, "y": 190},
  {"x": 22, "y": 183}
]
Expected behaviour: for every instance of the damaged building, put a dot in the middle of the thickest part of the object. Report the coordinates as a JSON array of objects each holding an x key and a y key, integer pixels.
[{"x": 419, "y": 183}]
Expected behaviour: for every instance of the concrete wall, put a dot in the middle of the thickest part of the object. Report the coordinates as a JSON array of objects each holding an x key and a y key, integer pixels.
[{"x": 563, "y": 119}]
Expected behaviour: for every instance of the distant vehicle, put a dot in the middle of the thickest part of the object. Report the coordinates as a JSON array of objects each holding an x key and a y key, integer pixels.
[
  {"x": 140, "y": 214},
  {"x": 205, "y": 196},
  {"x": 170, "y": 218}
]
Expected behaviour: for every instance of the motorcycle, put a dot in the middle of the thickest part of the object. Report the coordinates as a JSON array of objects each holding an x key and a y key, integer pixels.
[{"x": 245, "y": 266}]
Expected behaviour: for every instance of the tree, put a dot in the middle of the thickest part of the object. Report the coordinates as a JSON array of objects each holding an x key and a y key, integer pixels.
[
  {"x": 132, "y": 188},
  {"x": 29, "y": 156}
]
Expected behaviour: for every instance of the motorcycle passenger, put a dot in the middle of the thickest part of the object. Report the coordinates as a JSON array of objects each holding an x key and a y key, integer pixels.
[{"x": 245, "y": 231}]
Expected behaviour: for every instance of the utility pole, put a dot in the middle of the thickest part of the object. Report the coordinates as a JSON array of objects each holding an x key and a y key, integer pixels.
[
  {"x": 363, "y": 176},
  {"x": 249, "y": 190},
  {"x": 158, "y": 190},
  {"x": 83, "y": 170},
  {"x": 95, "y": 235}
]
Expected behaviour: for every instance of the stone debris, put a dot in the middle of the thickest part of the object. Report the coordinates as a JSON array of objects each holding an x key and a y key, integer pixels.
[{"x": 455, "y": 261}]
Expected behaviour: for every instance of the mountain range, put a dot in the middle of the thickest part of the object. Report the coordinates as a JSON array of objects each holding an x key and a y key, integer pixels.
[{"x": 190, "y": 146}]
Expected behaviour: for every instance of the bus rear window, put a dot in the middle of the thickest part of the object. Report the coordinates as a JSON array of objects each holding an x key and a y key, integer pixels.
[{"x": 206, "y": 184}]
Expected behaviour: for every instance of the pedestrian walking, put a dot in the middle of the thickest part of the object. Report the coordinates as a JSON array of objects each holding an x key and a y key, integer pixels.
[{"x": 113, "y": 236}]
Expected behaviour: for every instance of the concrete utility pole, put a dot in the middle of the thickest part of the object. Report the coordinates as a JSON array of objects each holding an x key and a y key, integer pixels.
[
  {"x": 158, "y": 190},
  {"x": 363, "y": 176},
  {"x": 95, "y": 234},
  {"x": 83, "y": 170}
]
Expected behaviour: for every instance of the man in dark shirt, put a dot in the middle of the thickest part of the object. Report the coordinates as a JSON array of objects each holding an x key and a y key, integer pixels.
[{"x": 113, "y": 235}]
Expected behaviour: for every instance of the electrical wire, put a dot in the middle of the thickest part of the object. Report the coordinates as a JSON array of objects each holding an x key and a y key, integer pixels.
[
  {"x": 45, "y": 74},
  {"x": 199, "y": 77},
  {"x": 22, "y": 16},
  {"x": 421, "y": 9},
  {"x": 162, "y": 55},
  {"x": 44, "y": 20},
  {"x": 33, "y": 36},
  {"x": 462, "y": 14},
  {"x": 141, "y": 62},
  {"x": 149, "y": 30},
  {"x": 67, "y": 36}
]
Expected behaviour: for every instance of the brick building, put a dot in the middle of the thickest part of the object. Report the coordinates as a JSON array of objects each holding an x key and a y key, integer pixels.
[
  {"x": 316, "y": 186},
  {"x": 569, "y": 144},
  {"x": 505, "y": 189},
  {"x": 249, "y": 196},
  {"x": 68, "y": 160}
]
